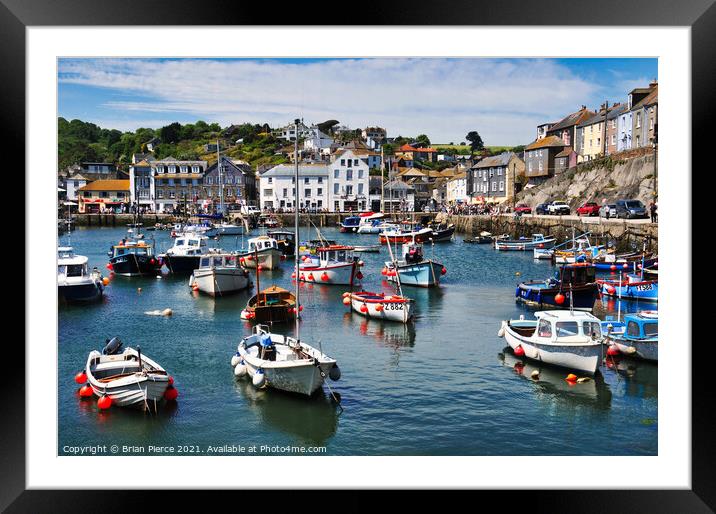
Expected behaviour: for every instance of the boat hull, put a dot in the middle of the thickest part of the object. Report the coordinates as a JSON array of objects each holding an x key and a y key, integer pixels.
[
  {"x": 421, "y": 274},
  {"x": 647, "y": 290},
  {"x": 527, "y": 244},
  {"x": 268, "y": 258},
  {"x": 390, "y": 310},
  {"x": 647, "y": 349},
  {"x": 80, "y": 293},
  {"x": 583, "y": 296},
  {"x": 418, "y": 237},
  {"x": 220, "y": 282},
  {"x": 338, "y": 274},
  {"x": 181, "y": 264},
  {"x": 584, "y": 357},
  {"x": 135, "y": 265},
  {"x": 442, "y": 236}
]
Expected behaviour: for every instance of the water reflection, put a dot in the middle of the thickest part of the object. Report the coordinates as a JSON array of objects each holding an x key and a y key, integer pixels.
[
  {"x": 385, "y": 333},
  {"x": 639, "y": 378},
  {"x": 313, "y": 420},
  {"x": 551, "y": 381}
]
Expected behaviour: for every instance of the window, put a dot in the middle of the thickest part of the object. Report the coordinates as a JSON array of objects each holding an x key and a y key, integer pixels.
[
  {"x": 360, "y": 188},
  {"x": 285, "y": 192},
  {"x": 336, "y": 174},
  {"x": 343, "y": 162},
  {"x": 349, "y": 174},
  {"x": 209, "y": 180},
  {"x": 567, "y": 328},
  {"x": 320, "y": 180},
  {"x": 355, "y": 162},
  {"x": 87, "y": 194},
  {"x": 103, "y": 194},
  {"x": 335, "y": 188},
  {"x": 172, "y": 169},
  {"x": 544, "y": 328},
  {"x": 160, "y": 193},
  {"x": 268, "y": 192},
  {"x": 502, "y": 186},
  {"x": 171, "y": 193},
  {"x": 171, "y": 181},
  {"x": 195, "y": 169},
  {"x": 184, "y": 168},
  {"x": 270, "y": 180},
  {"x": 307, "y": 193},
  {"x": 349, "y": 190},
  {"x": 360, "y": 174},
  {"x": 638, "y": 120},
  {"x": 306, "y": 180},
  {"x": 651, "y": 329},
  {"x": 319, "y": 191}
]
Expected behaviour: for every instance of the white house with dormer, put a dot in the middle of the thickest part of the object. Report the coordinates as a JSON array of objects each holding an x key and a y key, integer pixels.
[
  {"x": 349, "y": 182},
  {"x": 277, "y": 187},
  {"x": 317, "y": 141}
]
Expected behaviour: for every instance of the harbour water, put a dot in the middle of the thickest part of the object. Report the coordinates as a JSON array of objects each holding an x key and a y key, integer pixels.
[{"x": 443, "y": 385}]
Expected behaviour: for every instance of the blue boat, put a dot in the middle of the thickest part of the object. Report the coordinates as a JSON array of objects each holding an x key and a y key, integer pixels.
[
  {"x": 413, "y": 269},
  {"x": 625, "y": 264},
  {"x": 640, "y": 337},
  {"x": 573, "y": 285},
  {"x": 634, "y": 287},
  {"x": 350, "y": 224}
]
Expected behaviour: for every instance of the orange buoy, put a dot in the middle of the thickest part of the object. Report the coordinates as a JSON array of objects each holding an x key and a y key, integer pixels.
[
  {"x": 105, "y": 281},
  {"x": 571, "y": 377},
  {"x": 559, "y": 298},
  {"x": 379, "y": 307},
  {"x": 105, "y": 402},
  {"x": 81, "y": 377},
  {"x": 249, "y": 258},
  {"x": 384, "y": 271},
  {"x": 346, "y": 301},
  {"x": 86, "y": 391}
]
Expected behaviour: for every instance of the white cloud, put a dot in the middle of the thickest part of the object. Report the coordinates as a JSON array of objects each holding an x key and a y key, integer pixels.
[{"x": 504, "y": 100}]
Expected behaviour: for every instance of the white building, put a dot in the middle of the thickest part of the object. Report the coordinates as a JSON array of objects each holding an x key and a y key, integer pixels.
[
  {"x": 141, "y": 184},
  {"x": 349, "y": 182},
  {"x": 73, "y": 183},
  {"x": 457, "y": 189},
  {"x": 289, "y": 132},
  {"x": 317, "y": 141},
  {"x": 277, "y": 187}
]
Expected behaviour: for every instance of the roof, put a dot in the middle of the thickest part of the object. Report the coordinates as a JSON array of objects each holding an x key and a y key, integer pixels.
[
  {"x": 283, "y": 170},
  {"x": 649, "y": 99},
  {"x": 407, "y": 148},
  {"x": 545, "y": 142},
  {"x": 565, "y": 153},
  {"x": 106, "y": 185},
  {"x": 411, "y": 172},
  {"x": 397, "y": 184},
  {"x": 574, "y": 118},
  {"x": 499, "y": 160},
  {"x": 458, "y": 176}
]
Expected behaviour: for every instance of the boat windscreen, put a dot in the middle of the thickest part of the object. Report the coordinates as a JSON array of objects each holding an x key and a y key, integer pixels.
[
  {"x": 567, "y": 328},
  {"x": 651, "y": 329}
]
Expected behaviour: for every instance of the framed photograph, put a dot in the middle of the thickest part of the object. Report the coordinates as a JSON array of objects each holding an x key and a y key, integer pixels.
[{"x": 372, "y": 256}]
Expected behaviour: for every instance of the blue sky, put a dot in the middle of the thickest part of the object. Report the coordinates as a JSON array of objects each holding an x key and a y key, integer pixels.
[{"x": 503, "y": 99}]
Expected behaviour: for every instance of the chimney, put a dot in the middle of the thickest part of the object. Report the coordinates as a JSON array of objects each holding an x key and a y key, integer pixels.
[{"x": 653, "y": 84}]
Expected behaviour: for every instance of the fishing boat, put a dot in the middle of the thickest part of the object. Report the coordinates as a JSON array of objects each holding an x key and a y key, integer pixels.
[
  {"x": 75, "y": 282},
  {"x": 575, "y": 284},
  {"x": 405, "y": 232},
  {"x": 640, "y": 338},
  {"x": 268, "y": 221},
  {"x": 272, "y": 305},
  {"x": 413, "y": 269},
  {"x": 198, "y": 226},
  {"x": 133, "y": 256},
  {"x": 607, "y": 260},
  {"x": 282, "y": 362},
  {"x": 184, "y": 255},
  {"x": 263, "y": 250},
  {"x": 279, "y": 361},
  {"x": 349, "y": 224},
  {"x": 380, "y": 306},
  {"x": 442, "y": 232},
  {"x": 372, "y": 224},
  {"x": 219, "y": 274},
  {"x": 366, "y": 248},
  {"x": 482, "y": 239},
  {"x": 525, "y": 243},
  {"x": 336, "y": 265},
  {"x": 286, "y": 240},
  {"x": 570, "y": 339},
  {"x": 127, "y": 379},
  {"x": 634, "y": 287}
]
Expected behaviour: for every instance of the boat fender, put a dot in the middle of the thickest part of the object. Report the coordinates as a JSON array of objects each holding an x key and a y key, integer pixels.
[
  {"x": 582, "y": 380},
  {"x": 335, "y": 373},
  {"x": 517, "y": 291},
  {"x": 112, "y": 346},
  {"x": 167, "y": 312},
  {"x": 104, "y": 402},
  {"x": 630, "y": 350},
  {"x": 501, "y": 332},
  {"x": 259, "y": 378},
  {"x": 240, "y": 369},
  {"x": 534, "y": 375},
  {"x": 235, "y": 359},
  {"x": 519, "y": 351}
]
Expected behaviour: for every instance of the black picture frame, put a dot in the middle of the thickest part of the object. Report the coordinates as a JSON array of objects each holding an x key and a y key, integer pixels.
[{"x": 700, "y": 15}]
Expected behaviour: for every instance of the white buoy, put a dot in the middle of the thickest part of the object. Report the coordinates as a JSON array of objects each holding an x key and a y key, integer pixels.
[
  {"x": 259, "y": 378},
  {"x": 501, "y": 332},
  {"x": 167, "y": 312},
  {"x": 583, "y": 379},
  {"x": 630, "y": 350},
  {"x": 335, "y": 373},
  {"x": 522, "y": 317},
  {"x": 534, "y": 375},
  {"x": 240, "y": 369},
  {"x": 235, "y": 360}
]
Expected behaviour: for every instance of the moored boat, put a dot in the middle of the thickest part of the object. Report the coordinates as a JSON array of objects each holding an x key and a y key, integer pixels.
[
  {"x": 272, "y": 305},
  {"x": 574, "y": 285},
  {"x": 127, "y": 379},
  {"x": 404, "y": 233},
  {"x": 413, "y": 269},
  {"x": 286, "y": 240},
  {"x": 184, "y": 255},
  {"x": 263, "y": 250},
  {"x": 335, "y": 265},
  {"x": 133, "y": 256},
  {"x": 75, "y": 282},
  {"x": 219, "y": 274},
  {"x": 525, "y": 243},
  {"x": 372, "y": 224},
  {"x": 442, "y": 232},
  {"x": 570, "y": 339},
  {"x": 380, "y": 306},
  {"x": 634, "y": 287},
  {"x": 640, "y": 337}
]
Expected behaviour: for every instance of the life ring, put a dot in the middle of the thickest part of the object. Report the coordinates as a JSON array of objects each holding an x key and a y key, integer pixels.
[{"x": 649, "y": 314}]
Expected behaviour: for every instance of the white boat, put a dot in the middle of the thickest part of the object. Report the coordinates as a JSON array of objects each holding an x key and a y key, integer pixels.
[
  {"x": 184, "y": 255},
  {"x": 204, "y": 227},
  {"x": 372, "y": 224},
  {"x": 266, "y": 250},
  {"x": 366, "y": 248},
  {"x": 524, "y": 243},
  {"x": 282, "y": 362},
  {"x": 219, "y": 274},
  {"x": 570, "y": 339},
  {"x": 75, "y": 282},
  {"x": 380, "y": 306},
  {"x": 335, "y": 265},
  {"x": 129, "y": 379}
]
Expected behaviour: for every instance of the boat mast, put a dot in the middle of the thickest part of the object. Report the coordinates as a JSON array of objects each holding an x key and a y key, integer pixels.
[
  {"x": 382, "y": 180},
  {"x": 296, "y": 252},
  {"x": 221, "y": 182}
]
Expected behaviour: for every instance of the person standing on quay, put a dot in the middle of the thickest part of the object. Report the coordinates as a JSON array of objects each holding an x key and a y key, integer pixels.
[{"x": 652, "y": 209}]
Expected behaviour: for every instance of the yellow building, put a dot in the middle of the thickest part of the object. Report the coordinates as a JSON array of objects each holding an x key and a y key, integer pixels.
[{"x": 590, "y": 138}]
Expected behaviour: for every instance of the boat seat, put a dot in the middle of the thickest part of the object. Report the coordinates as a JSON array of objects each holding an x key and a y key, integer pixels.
[{"x": 268, "y": 353}]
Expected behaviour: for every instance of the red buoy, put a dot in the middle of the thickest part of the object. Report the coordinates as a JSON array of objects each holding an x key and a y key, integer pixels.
[
  {"x": 171, "y": 380},
  {"x": 384, "y": 271},
  {"x": 571, "y": 377},
  {"x": 613, "y": 350},
  {"x": 300, "y": 308},
  {"x": 310, "y": 277},
  {"x": 324, "y": 277},
  {"x": 359, "y": 275},
  {"x": 559, "y": 298},
  {"x": 293, "y": 275},
  {"x": 443, "y": 270},
  {"x": 625, "y": 265},
  {"x": 519, "y": 351},
  {"x": 171, "y": 393},
  {"x": 613, "y": 267},
  {"x": 364, "y": 308},
  {"x": 379, "y": 307},
  {"x": 259, "y": 268},
  {"x": 611, "y": 289},
  {"x": 105, "y": 402},
  {"x": 81, "y": 377},
  {"x": 86, "y": 391},
  {"x": 152, "y": 261},
  {"x": 109, "y": 266}
]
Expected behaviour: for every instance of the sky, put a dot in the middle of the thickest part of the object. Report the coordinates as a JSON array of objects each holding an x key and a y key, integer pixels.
[{"x": 502, "y": 99}]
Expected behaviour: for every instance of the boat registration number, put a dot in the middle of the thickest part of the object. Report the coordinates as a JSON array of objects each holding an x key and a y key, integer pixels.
[
  {"x": 645, "y": 287},
  {"x": 394, "y": 306}
]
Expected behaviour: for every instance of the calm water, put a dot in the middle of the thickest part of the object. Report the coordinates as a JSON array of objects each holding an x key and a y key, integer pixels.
[{"x": 442, "y": 386}]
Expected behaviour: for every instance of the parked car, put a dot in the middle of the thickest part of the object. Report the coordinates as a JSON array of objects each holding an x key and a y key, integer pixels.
[
  {"x": 523, "y": 209},
  {"x": 608, "y": 210},
  {"x": 541, "y": 208},
  {"x": 631, "y": 209},
  {"x": 250, "y": 210},
  {"x": 558, "y": 207},
  {"x": 588, "y": 209}
]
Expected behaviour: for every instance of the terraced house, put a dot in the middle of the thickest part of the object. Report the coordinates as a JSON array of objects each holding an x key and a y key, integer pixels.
[
  {"x": 278, "y": 187},
  {"x": 238, "y": 179},
  {"x": 492, "y": 179},
  {"x": 349, "y": 181},
  {"x": 635, "y": 127},
  {"x": 104, "y": 196},
  {"x": 540, "y": 157},
  {"x": 176, "y": 182}
]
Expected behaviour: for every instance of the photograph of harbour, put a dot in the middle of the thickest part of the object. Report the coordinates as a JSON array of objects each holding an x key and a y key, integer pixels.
[{"x": 357, "y": 256}]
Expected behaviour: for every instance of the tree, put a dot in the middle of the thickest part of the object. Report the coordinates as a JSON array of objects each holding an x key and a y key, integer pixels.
[
  {"x": 423, "y": 140},
  {"x": 476, "y": 143},
  {"x": 170, "y": 133},
  {"x": 327, "y": 126}
]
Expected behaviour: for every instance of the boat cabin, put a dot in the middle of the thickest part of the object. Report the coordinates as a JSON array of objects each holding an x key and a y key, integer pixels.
[
  {"x": 577, "y": 273},
  {"x": 125, "y": 247},
  {"x": 191, "y": 244},
  {"x": 262, "y": 243},
  {"x": 555, "y": 325},
  {"x": 222, "y": 260},
  {"x": 336, "y": 253},
  {"x": 71, "y": 265},
  {"x": 644, "y": 325},
  {"x": 412, "y": 252}
]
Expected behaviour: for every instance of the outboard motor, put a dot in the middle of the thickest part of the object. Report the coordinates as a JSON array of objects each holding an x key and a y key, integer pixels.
[{"x": 112, "y": 347}]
